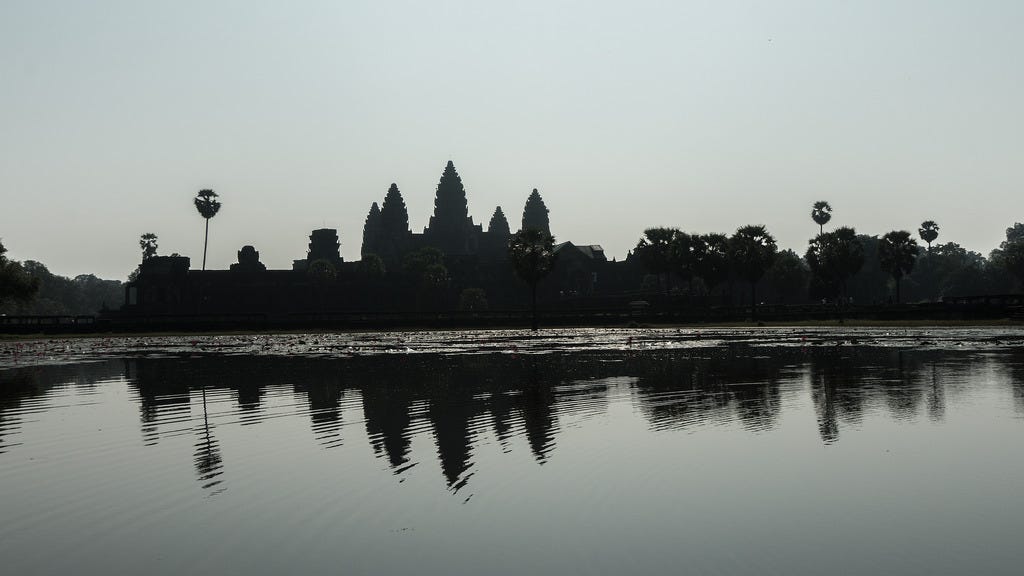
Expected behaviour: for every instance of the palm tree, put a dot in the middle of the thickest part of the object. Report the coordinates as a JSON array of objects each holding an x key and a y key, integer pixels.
[
  {"x": 655, "y": 251},
  {"x": 752, "y": 251},
  {"x": 897, "y": 252},
  {"x": 532, "y": 253},
  {"x": 929, "y": 231},
  {"x": 711, "y": 259},
  {"x": 683, "y": 253},
  {"x": 207, "y": 204},
  {"x": 821, "y": 213}
]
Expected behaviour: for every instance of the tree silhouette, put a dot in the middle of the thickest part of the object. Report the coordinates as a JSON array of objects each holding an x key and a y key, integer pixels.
[
  {"x": 711, "y": 259},
  {"x": 929, "y": 231},
  {"x": 535, "y": 214},
  {"x": 655, "y": 251},
  {"x": 426, "y": 270},
  {"x": 372, "y": 267},
  {"x": 897, "y": 252},
  {"x": 821, "y": 213},
  {"x": 147, "y": 242},
  {"x": 532, "y": 253},
  {"x": 1010, "y": 254},
  {"x": 15, "y": 282},
  {"x": 207, "y": 204},
  {"x": 752, "y": 250},
  {"x": 836, "y": 256},
  {"x": 788, "y": 277},
  {"x": 683, "y": 252}
]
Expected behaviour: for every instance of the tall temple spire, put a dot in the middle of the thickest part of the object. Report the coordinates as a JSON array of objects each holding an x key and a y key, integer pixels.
[
  {"x": 394, "y": 218},
  {"x": 450, "y": 228},
  {"x": 450, "y": 207},
  {"x": 371, "y": 232},
  {"x": 535, "y": 213},
  {"x": 499, "y": 224},
  {"x": 394, "y": 227}
]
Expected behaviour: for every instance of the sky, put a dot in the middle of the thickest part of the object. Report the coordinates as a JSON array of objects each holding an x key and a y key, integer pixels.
[{"x": 702, "y": 115}]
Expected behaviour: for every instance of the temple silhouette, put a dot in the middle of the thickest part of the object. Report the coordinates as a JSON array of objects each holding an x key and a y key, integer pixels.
[{"x": 453, "y": 264}]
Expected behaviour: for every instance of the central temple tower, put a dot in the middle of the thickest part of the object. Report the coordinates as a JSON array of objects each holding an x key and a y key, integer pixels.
[{"x": 451, "y": 228}]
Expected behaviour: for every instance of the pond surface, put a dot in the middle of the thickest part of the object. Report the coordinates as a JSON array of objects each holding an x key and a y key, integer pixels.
[{"x": 610, "y": 452}]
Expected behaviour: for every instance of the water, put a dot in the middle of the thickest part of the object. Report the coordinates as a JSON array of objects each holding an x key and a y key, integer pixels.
[{"x": 722, "y": 452}]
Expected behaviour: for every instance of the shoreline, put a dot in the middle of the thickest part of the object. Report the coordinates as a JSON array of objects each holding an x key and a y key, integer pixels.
[{"x": 411, "y": 329}]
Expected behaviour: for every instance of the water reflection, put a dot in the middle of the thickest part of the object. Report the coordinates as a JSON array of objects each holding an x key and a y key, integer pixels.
[{"x": 455, "y": 401}]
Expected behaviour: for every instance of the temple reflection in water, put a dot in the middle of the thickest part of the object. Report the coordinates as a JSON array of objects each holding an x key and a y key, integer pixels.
[{"x": 456, "y": 400}]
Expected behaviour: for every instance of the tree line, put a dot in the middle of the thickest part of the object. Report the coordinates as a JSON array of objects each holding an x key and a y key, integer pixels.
[{"x": 838, "y": 266}]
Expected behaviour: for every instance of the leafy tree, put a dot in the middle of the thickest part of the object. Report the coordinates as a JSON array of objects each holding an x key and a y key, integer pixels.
[
  {"x": 821, "y": 213},
  {"x": 655, "y": 251},
  {"x": 148, "y": 244},
  {"x": 532, "y": 253},
  {"x": 427, "y": 272},
  {"x": 897, "y": 251},
  {"x": 683, "y": 253},
  {"x": 950, "y": 270},
  {"x": 372, "y": 266},
  {"x": 15, "y": 283},
  {"x": 929, "y": 231},
  {"x": 752, "y": 251},
  {"x": 836, "y": 256},
  {"x": 1010, "y": 254},
  {"x": 207, "y": 205},
  {"x": 535, "y": 213},
  {"x": 788, "y": 278},
  {"x": 711, "y": 259},
  {"x": 473, "y": 299},
  {"x": 322, "y": 270},
  {"x": 417, "y": 262}
]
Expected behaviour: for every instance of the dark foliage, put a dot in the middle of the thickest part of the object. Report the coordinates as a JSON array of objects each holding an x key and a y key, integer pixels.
[
  {"x": 821, "y": 213},
  {"x": 928, "y": 231},
  {"x": 752, "y": 252},
  {"x": 148, "y": 244},
  {"x": 834, "y": 257},
  {"x": 654, "y": 251},
  {"x": 897, "y": 252},
  {"x": 16, "y": 283},
  {"x": 58, "y": 295},
  {"x": 1010, "y": 254},
  {"x": 208, "y": 206},
  {"x": 532, "y": 253}
]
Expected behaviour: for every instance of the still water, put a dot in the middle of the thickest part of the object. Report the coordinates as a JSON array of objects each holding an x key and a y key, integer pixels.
[{"x": 767, "y": 454}]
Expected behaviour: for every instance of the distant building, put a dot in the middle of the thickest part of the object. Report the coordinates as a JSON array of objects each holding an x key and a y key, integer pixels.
[{"x": 322, "y": 282}]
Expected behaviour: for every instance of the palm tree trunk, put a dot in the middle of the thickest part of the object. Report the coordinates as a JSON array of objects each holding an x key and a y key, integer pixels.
[
  {"x": 534, "y": 305},
  {"x": 206, "y": 238}
]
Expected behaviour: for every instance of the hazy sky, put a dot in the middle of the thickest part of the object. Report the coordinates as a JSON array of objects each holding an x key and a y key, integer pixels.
[{"x": 701, "y": 115}]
